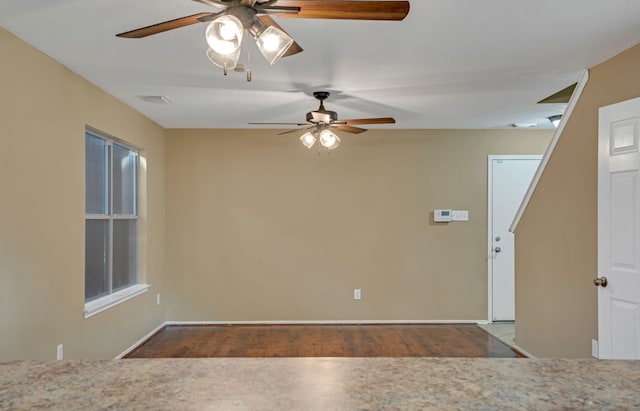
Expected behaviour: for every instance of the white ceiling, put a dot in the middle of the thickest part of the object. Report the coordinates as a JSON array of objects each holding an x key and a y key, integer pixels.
[{"x": 449, "y": 64}]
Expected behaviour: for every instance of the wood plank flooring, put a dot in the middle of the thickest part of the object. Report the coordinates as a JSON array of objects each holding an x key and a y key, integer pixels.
[{"x": 379, "y": 340}]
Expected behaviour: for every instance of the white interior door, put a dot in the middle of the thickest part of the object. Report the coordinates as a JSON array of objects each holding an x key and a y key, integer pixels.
[
  {"x": 509, "y": 179},
  {"x": 619, "y": 231}
]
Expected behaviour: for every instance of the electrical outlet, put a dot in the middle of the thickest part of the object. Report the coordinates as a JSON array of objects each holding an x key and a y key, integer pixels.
[
  {"x": 158, "y": 299},
  {"x": 594, "y": 348},
  {"x": 60, "y": 352},
  {"x": 357, "y": 294}
]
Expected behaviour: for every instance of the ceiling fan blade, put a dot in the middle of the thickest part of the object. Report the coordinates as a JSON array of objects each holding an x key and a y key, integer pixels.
[
  {"x": 164, "y": 26},
  {"x": 208, "y": 3},
  {"x": 279, "y": 124},
  {"x": 380, "y": 120},
  {"x": 293, "y": 48},
  {"x": 350, "y": 10},
  {"x": 290, "y": 131},
  {"x": 350, "y": 129},
  {"x": 276, "y": 9}
]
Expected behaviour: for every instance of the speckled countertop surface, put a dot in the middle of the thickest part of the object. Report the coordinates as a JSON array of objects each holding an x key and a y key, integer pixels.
[{"x": 321, "y": 384}]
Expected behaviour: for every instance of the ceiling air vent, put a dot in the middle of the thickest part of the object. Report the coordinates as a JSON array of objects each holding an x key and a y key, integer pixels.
[{"x": 156, "y": 99}]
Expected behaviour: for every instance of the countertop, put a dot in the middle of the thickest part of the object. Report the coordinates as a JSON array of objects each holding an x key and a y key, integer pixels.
[{"x": 320, "y": 384}]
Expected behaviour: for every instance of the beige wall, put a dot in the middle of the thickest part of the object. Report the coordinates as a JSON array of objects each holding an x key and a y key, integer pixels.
[
  {"x": 262, "y": 229},
  {"x": 556, "y": 244},
  {"x": 42, "y": 121}
]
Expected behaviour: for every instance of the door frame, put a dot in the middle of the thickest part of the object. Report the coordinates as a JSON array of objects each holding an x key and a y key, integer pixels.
[{"x": 490, "y": 159}]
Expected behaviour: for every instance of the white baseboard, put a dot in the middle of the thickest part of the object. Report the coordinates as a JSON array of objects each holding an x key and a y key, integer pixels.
[
  {"x": 140, "y": 341},
  {"x": 528, "y": 355},
  {"x": 319, "y": 322}
]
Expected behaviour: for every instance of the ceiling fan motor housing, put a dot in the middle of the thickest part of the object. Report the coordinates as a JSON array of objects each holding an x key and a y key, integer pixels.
[
  {"x": 322, "y": 116},
  {"x": 321, "y": 95}
]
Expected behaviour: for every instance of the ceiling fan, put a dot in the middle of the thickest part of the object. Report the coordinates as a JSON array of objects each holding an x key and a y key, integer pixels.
[
  {"x": 226, "y": 27},
  {"x": 321, "y": 121}
]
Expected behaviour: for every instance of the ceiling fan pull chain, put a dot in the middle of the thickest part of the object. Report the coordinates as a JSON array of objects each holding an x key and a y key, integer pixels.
[{"x": 249, "y": 61}]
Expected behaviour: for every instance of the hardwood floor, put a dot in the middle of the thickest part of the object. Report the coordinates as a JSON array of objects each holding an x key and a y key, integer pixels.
[{"x": 379, "y": 340}]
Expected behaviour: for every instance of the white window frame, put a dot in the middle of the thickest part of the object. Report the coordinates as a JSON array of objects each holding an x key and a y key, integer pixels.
[{"x": 113, "y": 298}]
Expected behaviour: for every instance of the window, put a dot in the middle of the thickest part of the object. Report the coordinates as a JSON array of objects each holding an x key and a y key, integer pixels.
[{"x": 111, "y": 223}]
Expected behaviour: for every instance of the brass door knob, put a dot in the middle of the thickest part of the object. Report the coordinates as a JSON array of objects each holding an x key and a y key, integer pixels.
[{"x": 600, "y": 282}]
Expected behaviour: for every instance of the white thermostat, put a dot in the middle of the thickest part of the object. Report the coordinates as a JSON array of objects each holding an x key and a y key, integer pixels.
[{"x": 442, "y": 216}]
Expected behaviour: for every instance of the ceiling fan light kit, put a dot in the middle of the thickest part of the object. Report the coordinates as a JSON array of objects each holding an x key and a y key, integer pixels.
[
  {"x": 328, "y": 139},
  {"x": 224, "y": 36}
]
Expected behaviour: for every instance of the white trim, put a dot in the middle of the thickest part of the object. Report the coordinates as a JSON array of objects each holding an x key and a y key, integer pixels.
[
  {"x": 517, "y": 347},
  {"x": 552, "y": 145},
  {"x": 320, "y": 322},
  {"x": 104, "y": 303},
  {"x": 490, "y": 159},
  {"x": 140, "y": 341}
]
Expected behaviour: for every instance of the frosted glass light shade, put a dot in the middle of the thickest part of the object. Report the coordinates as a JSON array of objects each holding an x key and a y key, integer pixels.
[
  {"x": 308, "y": 139},
  {"x": 273, "y": 43},
  {"x": 229, "y": 61},
  {"x": 329, "y": 139},
  {"x": 224, "y": 34}
]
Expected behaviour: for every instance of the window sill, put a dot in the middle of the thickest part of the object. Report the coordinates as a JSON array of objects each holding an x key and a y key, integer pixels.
[{"x": 101, "y": 304}]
